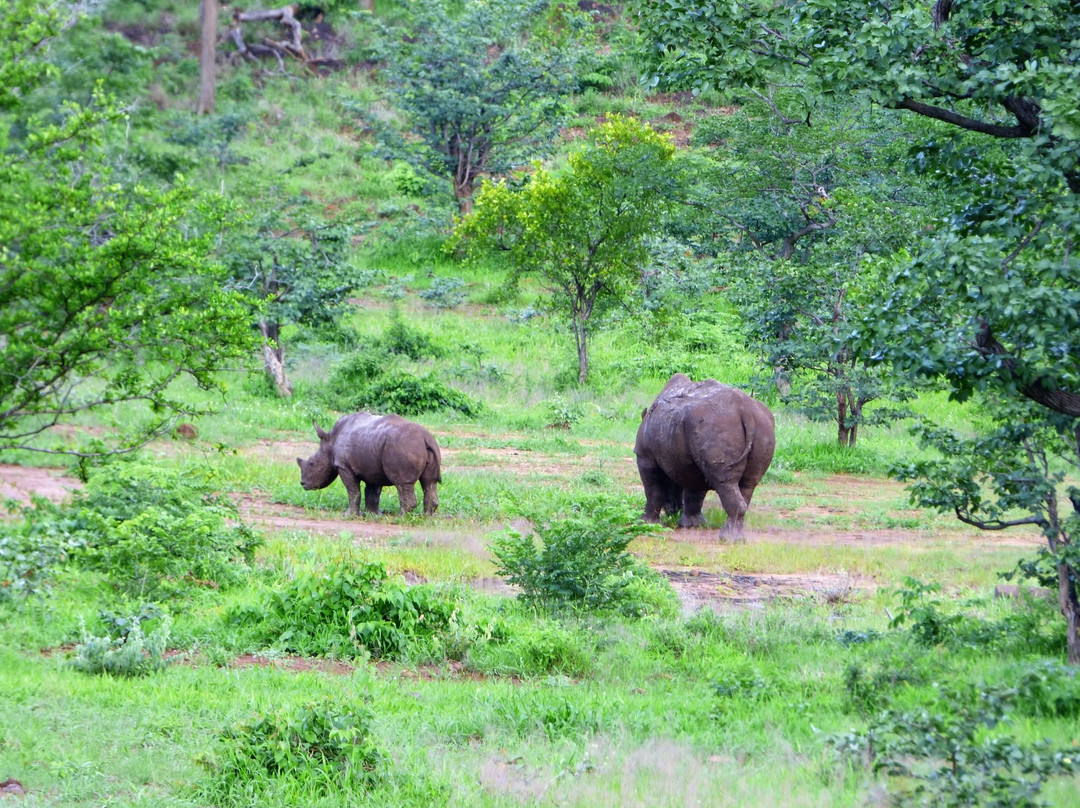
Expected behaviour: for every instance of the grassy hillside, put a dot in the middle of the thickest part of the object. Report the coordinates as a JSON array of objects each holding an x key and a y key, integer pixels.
[{"x": 194, "y": 628}]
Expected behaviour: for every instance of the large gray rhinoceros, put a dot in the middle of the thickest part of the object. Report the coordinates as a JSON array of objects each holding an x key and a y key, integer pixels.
[
  {"x": 698, "y": 437},
  {"x": 376, "y": 450}
]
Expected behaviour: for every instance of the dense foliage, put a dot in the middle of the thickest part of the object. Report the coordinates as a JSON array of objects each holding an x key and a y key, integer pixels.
[
  {"x": 581, "y": 230},
  {"x": 107, "y": 290}
]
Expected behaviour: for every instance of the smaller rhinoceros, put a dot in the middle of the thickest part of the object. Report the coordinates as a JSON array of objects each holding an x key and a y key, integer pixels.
[
  {"x": 698, "y": 437},
  {"x": 376, "y": 450}
]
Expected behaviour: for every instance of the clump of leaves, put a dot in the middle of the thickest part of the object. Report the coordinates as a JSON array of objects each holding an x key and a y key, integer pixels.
[
  {"x": 444, "y": 293},
  {"x": 125, "y": 650},
  {"x": 322, "y": 748},
  {"x": 581, "y": 562},
  {"x": 348, "y": 609},
  {"x": 949, "y": 754},
  {"x": 155, "y": 532},
  {"x": 30, "y": 550},
  {"x": 406, "y": 395}
]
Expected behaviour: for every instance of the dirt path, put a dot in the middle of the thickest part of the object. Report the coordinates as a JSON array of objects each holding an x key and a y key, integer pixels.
[{"x": 794, "y": 514}]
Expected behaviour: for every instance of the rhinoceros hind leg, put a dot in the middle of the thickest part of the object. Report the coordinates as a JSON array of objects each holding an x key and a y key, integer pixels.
[
  {"x": 735, "y": 506},
  {"x": 431, "y": 497},
  {"x": 691, "y": 511},
  {"x": 407, "y": 497},
  {"x": 372, "y": 495}
]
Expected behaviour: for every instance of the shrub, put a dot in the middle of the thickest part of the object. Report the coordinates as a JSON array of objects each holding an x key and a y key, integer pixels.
[
  {"x": 348, "y": 609},
  {"x": 400, "y": 338},
  {"x": 155, "y": 532},
  {"x": 324, "y": 748},
  {"x": 444, "y": 293},
  {"x": 948, "y": 755},
  {"x": 408, "y": 395},
  {"x": 126, "y": 651},
  {"x": 29, "y": 551},
  {"x": 582, "y": 562}
]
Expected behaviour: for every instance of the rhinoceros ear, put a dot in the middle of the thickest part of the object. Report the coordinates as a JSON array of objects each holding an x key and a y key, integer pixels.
[
  {"x": 299, "y": 462},
  {"x": 644, "y": 412},
  {"x": 318, "y": 431}
]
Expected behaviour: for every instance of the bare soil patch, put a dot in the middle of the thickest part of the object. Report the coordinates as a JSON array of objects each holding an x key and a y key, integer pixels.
[{"x": 830, "y": 511}]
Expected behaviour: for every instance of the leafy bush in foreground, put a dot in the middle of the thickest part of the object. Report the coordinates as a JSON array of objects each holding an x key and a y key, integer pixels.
[
  {"x": 155, "y": 532},
  {"x": 583, "y": 562},
  {"x": 319, "y": 748},
  {"x": 346, "y": 610},
  {"x": 132, "y": 653}
]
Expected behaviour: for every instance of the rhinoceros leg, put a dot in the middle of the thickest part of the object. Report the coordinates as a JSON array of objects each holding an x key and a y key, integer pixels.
[
  {"x": 407, "y": 497},
  {"x": 657, "y": 487},
  {"x": 372, "y": 495},
  {"x": 735, "y": 505},
  {"x": 352, "y": 485},
  {"x": 431, "y": 496},
  {"x": 691, "y": 510}
]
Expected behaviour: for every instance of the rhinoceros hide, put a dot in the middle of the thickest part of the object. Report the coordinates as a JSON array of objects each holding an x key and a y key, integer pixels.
[
  {"x": 698, "y": 437},
  {"x": 376, "y": 450}
]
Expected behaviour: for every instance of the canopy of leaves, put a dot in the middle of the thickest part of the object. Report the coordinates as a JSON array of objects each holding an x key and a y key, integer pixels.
[
  {"x": 581, "y": 230},
  {"x": 106, "y": 291},
  {"x": 481, "y": 94}
]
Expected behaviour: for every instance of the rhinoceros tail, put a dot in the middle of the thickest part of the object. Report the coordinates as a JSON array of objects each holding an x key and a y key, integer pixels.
[{"x": 434, "y": 457}]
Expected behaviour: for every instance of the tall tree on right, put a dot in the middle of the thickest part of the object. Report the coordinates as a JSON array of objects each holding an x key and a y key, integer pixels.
[{"x": 992, "y": 303}]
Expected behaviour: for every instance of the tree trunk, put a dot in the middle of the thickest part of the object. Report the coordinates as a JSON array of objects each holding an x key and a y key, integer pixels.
[
  {"x": 274, "y": 357},
  {"x": 208, "y": 14},
  {"x": 1070, "y": 607},
  {"x": 463, "y": 193},
  {"x": 581, "y": 339},
  {"x": 367, "y": 5}
]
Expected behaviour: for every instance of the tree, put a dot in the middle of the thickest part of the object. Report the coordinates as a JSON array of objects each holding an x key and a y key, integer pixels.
[
  {"x": 481, "y": 94},
  {"x": 583, "y": 230},
  {"x": 107, "y": 293},
  {"x": 797, "y": 215},
  {"x": 990, "y": 305},
  {"x": 208, "y": 21},
  {"x": 292, "y": 261}
]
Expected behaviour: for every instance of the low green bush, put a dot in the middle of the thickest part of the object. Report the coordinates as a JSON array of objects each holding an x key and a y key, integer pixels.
[
  {"x": 347, "y": 609},
  {"x": 582, "y": 562},
  {"x": 154, "y": 531},
  {"x": 321, "y": 748},
  {"x": 126, "y": 650}
]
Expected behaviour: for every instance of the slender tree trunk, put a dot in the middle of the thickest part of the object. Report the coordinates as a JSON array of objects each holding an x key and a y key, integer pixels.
[
  {"x": 274, "y": 357},
  {"x": 208, "y": 14},
  {"x": 367, "y": 5},
  {"x": 1070, "y": 607},
  {"x": 463, "y": 193},
  {"x": 581, "y": 339}
]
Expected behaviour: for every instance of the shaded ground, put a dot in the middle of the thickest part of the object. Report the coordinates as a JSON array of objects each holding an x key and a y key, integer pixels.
[{"x": 830, "y": 511}]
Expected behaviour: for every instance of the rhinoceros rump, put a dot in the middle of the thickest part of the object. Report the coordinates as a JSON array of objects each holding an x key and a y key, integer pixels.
[
  {"x": 698, "y": 437},
  {"x": 376, "y": 450}
]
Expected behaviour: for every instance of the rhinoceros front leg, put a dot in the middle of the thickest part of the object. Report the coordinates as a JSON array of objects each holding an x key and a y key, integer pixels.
[
  {"x": 352, "y": 485},
  {"x": 372, "y": 495},
  {"x": 407, "y": 497}
]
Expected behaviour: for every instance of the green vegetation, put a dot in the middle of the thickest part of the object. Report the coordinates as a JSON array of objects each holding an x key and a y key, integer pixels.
[{"x": 191, "y": 627}]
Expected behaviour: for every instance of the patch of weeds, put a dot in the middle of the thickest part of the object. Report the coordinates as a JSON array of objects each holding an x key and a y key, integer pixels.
[
  {"x": 125, "y": 650},
  {"x": 873, "y": 682},
  {"x": 549, "y": 712},
  {"x": 953, "y": 752},
  {"x": 533, "y": 648},
  {"x": 562, "y": 414},
  {"x": 581, "y": 562},
  {"x": 320, "y": 748},
  {"x": 155, "y": 531},
  {"x": 401, "y": 338},
  {"x": 348, "y": 609},
  {"x": 444, "y": 293},
  {"x": 31, "y": 550}
]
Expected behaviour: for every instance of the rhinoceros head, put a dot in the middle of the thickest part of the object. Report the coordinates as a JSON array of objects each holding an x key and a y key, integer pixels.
[{"x": 318, "y": 471}]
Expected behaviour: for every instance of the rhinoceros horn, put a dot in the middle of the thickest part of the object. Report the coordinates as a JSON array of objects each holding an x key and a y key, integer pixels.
[{"x": 318, "y": 431}]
